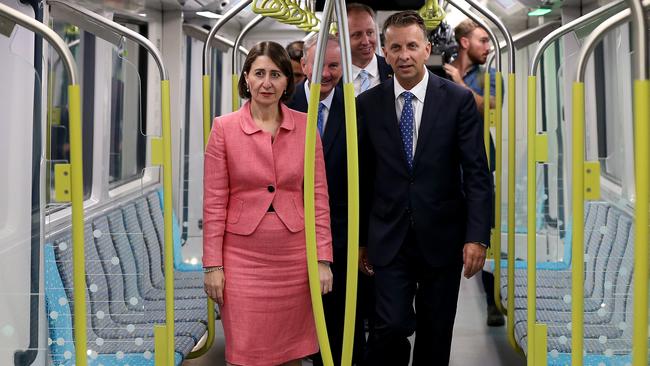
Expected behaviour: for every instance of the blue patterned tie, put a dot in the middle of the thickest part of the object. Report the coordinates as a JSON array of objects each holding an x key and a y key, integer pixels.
[
  {"x": 320, "y": 121},
  {"x": 365, "y": 81},
  {"x": 406, "y": 127}
]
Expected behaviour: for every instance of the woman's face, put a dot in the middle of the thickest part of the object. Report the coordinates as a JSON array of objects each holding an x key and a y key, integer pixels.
[{"x": 266, "y": 82}]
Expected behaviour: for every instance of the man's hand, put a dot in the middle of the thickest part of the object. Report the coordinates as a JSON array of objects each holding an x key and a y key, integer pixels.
[
  {"x": 473, "y": 258},
  {"x": 364, "y": 265},
  {"x": 453, "y": 73}
]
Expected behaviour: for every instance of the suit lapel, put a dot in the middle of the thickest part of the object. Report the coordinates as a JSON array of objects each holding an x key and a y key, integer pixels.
[
  {"x": 299, "y": 99},
  {"x": 335, "y": 119},
  {"x": 391, "y": 123},
  {"x": 432, "y": 102}
]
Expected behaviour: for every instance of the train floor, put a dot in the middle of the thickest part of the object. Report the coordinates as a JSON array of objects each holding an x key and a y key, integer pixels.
[{"x": 474, "y": 342}]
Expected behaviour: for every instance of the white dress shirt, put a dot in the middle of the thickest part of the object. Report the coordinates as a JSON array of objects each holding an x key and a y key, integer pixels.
[
  {"x": 419, "y": 91},
  {"x": 327, "y": 102},
  {"x": 373, "y": 75}
]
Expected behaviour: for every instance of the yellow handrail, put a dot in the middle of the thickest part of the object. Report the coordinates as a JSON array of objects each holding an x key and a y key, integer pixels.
[
  {"x": 310, "y": 225},
  {"x": 531, "y": 204},
  {"x": 207, "y": 115},
  {"x": 353, "y": 223},
  {"x": 498, "y": 168},
  {"x": 77, "y": 197},
  {"x": 577, "y": 246},
  {"x": 167, "y": 217},
  {"x": 641, "y": 252},
  {"x": 511, "y": 212},
  {"x": 235, "y": 92}
]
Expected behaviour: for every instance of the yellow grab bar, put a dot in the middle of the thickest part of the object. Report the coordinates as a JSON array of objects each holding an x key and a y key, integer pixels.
[
  {"x": 512, "y": 145},
  {"x": 577, "y": 246},
  {"x": 641, "y": 252},
  {"x": 235, "y": 92},
  {"x": 207, "y": 116},
  {"x": 78, "y": 258},
  {"x": 310, "y": 225},
  {"x": 498, "y": 168},
  {"x": 353, "y": 223},
  {"x": 167, "y": 218}
]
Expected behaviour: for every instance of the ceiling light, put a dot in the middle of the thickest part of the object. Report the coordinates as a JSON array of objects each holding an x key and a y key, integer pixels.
[
  {"x": 144, "y": 15},
  {"x": 539, "y": 12},
  {"x": 208, "y": 14}
]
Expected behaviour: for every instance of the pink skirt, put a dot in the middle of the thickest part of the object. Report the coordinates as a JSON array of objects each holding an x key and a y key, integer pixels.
[{"x": 267, "y": 314}]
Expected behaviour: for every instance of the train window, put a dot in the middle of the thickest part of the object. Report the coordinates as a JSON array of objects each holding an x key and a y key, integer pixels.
[
  {"x": 82, "y": 47},
  {"x": 192, "y": 208},
  {"x": 613, "y": 93},
  {"x": 128, "y": 115}
]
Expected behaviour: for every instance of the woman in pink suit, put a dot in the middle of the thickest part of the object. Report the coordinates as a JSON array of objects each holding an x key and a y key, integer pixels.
[{"x": 254, "y": 254}]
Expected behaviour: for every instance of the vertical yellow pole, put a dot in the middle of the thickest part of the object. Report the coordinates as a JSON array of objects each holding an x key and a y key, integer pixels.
[
  {"x": 577, "y": 248},
  {"x": 642, "y": 174},
  {"x": 531, "y": 208},
  {"x": 207, "y": 115},
  {"x": 167, "y": 217},
  {"x": 160, "y": 345},
  {"x": 512, "y": 146},
  {"x": 310, "y": 226},
  {"x": 77, "y": 198},
  {"x": 498, "y": 169},
  {"x": 353, "y": 223},
  {"x": 235, "y": 92}
]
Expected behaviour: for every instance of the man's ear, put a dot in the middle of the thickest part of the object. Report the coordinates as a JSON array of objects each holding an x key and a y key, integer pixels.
[{"x": 464, "y": 42}]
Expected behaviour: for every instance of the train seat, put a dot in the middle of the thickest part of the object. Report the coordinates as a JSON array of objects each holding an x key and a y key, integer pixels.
[
  {"x": 125, "y": 289},
  {"x": 609, "y": 239}
]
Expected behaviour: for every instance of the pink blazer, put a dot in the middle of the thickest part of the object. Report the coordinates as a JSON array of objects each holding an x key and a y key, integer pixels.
[{"x": 245, "y": 172}]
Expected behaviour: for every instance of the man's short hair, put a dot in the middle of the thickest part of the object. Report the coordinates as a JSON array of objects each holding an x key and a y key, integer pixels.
[
  {"x": 405, "y": 19},
  {"x": 295, "y": 50},
  {"x": 313, "y": 40},
  {"x": 464, "y": 29},
  {"x": 360, "y": 8}
]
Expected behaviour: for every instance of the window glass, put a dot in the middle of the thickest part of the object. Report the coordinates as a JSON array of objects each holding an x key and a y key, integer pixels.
[
  {"x": 82, "y": 47},
  {"x": 127, "y": 136}
]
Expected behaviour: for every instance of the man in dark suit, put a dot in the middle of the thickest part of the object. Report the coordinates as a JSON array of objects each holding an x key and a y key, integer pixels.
[
  {"x": 331, "y": 125},
  {"x": 426, "y": 198},
  {"x": 368, "y": 68}
]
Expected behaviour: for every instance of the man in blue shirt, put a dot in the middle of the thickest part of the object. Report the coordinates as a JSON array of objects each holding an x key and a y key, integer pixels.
[{"x": 473, "y": 48}]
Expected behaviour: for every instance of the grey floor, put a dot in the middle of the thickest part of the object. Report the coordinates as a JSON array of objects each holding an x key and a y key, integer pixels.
[{"x": 474, "y": 342}]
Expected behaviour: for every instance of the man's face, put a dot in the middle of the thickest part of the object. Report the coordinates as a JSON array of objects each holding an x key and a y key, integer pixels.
[
  {"x": 298, "y": 75},
  {"x": 332, "y": 70},
  {"x": 407, "y": 50},
  {"x": 363, "y": 37},
  {"x": 478, "y": 46}
]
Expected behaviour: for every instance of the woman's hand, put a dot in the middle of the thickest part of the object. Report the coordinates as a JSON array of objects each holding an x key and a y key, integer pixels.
[
  {"x": 213, "y": 283},
  {"x": 326, "y": 278}
]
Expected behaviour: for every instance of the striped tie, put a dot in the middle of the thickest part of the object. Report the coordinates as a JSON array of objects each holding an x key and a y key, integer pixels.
[{"x": 365, "y": 81}]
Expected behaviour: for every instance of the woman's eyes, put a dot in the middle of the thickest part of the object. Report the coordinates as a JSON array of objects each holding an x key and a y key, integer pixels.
[{"x": 274, "y": 74}]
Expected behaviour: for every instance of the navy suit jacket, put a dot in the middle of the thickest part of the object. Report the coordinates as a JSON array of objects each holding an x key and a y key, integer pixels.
[
  {"x": 446, "y": 199},
  {"x": 334, "y": 150},
  {"x": 385, "y": 71}
]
